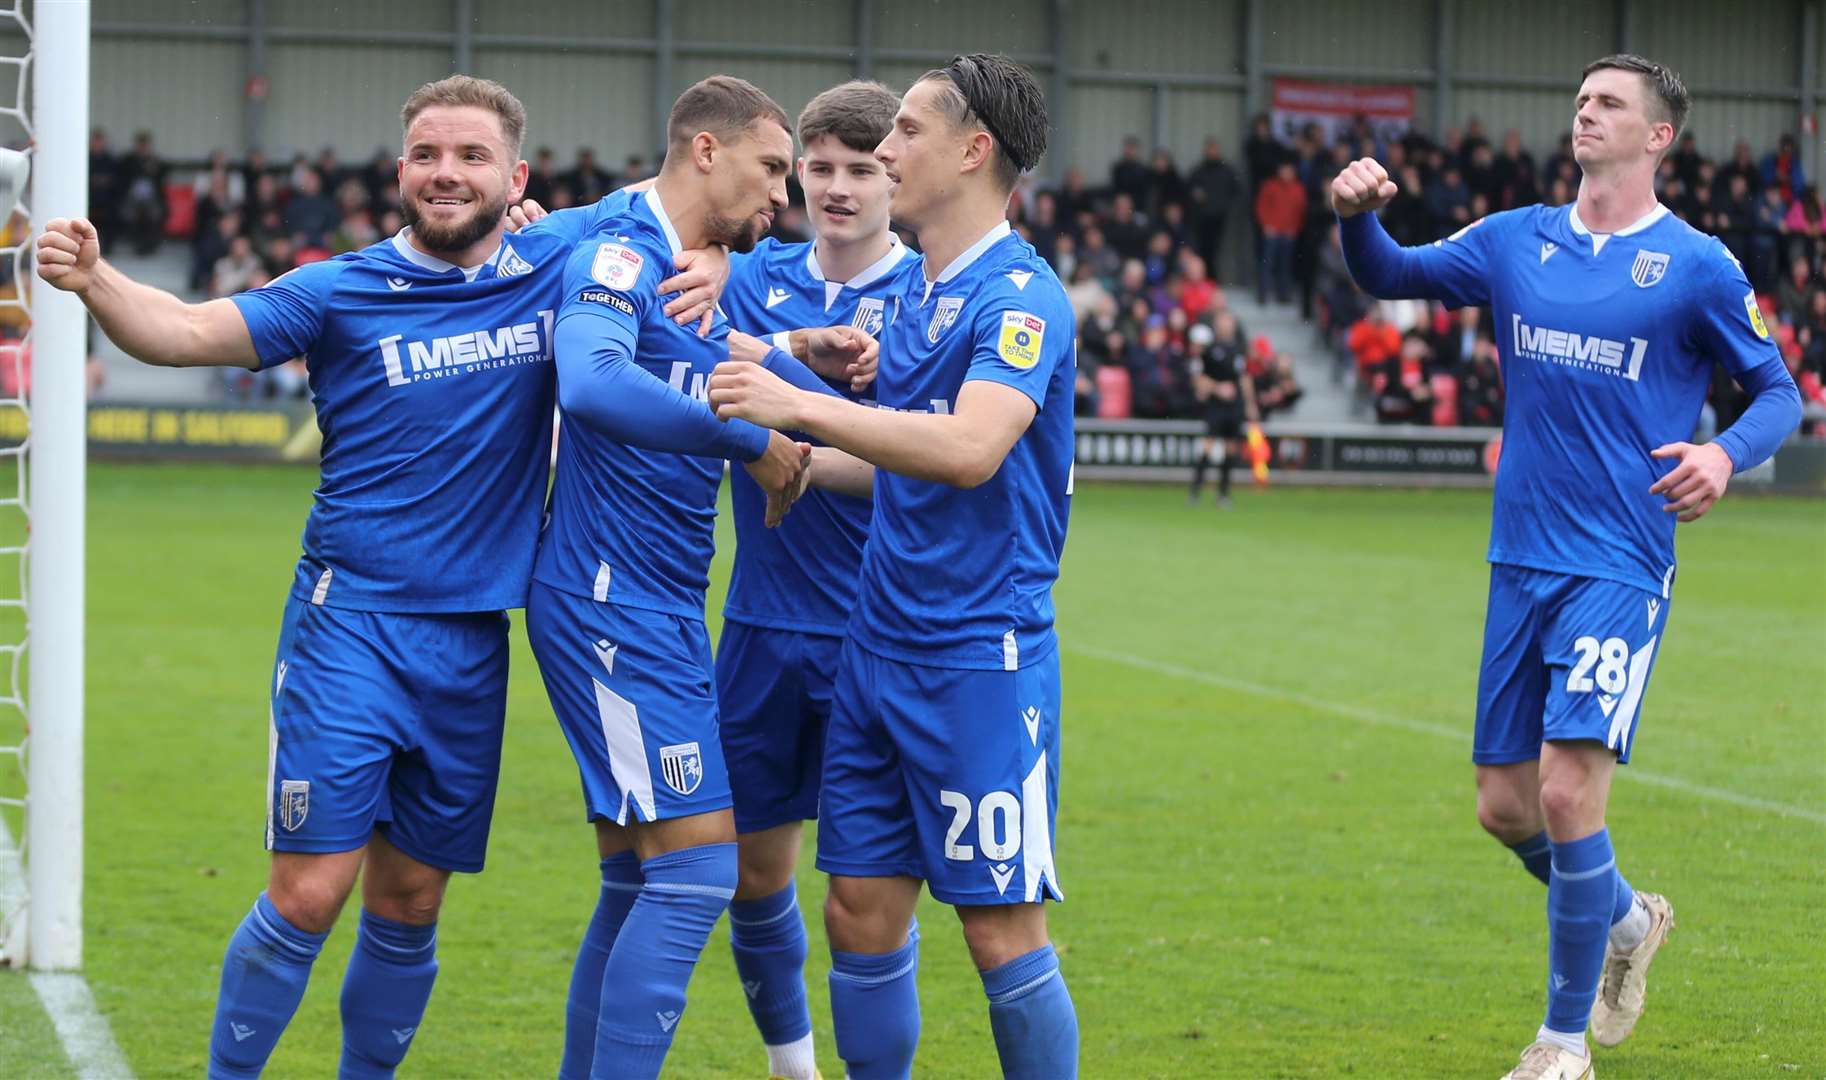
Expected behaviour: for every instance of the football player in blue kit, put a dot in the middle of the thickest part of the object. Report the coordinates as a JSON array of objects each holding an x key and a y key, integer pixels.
[
  {"x": 942, "y": 755},
  {"x": 616, "y": 609},
  {"x": 793, "y": 587},
  {"x": 429, "y": 356},
  {"x": 1611, "y": 314}
]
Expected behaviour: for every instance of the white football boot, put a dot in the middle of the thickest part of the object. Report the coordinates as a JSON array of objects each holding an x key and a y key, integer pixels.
[
  {"x": 1548, "y": 1061},
  {"x": 1624, "y": 984}
]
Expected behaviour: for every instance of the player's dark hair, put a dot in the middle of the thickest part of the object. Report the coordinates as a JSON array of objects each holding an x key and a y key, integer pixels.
[
  {"x": 1663, "y": 80},
  {"x": 469, "y": 90},
  {"x": 1001, "y": 97},
  {"x": 723, "y": 105},
  {"x": 858, "y": 114}
]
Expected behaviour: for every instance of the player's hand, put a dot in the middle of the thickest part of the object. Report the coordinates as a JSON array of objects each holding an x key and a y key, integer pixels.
[
  {"x": 747, "y": 348},
  {"x": 841, "y": 352},
  {"x": 783, "y": 472},
  {"x": 740, "y": 389},
  {"x": 1364, "y": 185},
  {"x": 524, "y": 214},
  {"x": 67, "y": 254},
  {"x": 699, "y": 284},
  {"x": 1697, "y": 482}
]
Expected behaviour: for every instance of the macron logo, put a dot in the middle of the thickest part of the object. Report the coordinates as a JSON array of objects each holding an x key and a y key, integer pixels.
[
  {"x": 440, "y": 356},
  {"x": 777, "y": 296},
  {"x": 1003, "y": 874},
  {"x": 400, "y": 1035},
  {"x": 1020, "y": 278},
  {"x": 240, "y": 1031},
  {"x": 1547, "y": 251},
  {"x": 398, "y": 284},
  {"x": 667, "y": 1019},
  {"x": 1579, "y": 350}
]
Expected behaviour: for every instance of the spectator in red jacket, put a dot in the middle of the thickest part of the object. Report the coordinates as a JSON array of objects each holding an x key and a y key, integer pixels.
[
  {"x": 1373, "y": 341},
  {"x": 1280, "y": 210}
]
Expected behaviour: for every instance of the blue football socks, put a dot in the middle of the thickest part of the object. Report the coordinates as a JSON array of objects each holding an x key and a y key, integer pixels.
[
  {"x": 1536, "y": 854},
  {"x": 1581, "y": 898},
  {"x": 384, "y": 993},
  {"x": 263, "y": 977},
  {"x": 875, "y": 1010},
  {"x": 621, "y": 883},
  {"x": 643, "y": 986},
  {"x": 1031, "y": 1013},
  {"x": 768, "y": 939}
]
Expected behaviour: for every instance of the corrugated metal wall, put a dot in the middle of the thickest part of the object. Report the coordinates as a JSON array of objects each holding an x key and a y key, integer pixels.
[
  {"x": 1550, "y": 39},
  {"x": 613, "y": 121},
  {"x": 345, "y": 95},
  {"x": 1395, "y": 37},
  {"x": 1201, "y": 39}
]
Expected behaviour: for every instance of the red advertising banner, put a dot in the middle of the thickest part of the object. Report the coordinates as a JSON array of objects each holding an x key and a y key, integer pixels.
[{"x": 1335, "y": 106}]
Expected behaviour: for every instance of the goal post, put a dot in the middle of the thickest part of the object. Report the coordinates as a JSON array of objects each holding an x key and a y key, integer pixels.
[{"x": 59, "y": 119}]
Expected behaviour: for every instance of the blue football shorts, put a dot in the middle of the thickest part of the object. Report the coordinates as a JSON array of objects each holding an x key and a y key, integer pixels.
[
  {"x": 386, "y": 721},
  {"x": 1566, "y": 658},
  {"x": 633, "y": 693},
  {"x": 774, "y": 690},
  {"x": 943, "y": 774}
]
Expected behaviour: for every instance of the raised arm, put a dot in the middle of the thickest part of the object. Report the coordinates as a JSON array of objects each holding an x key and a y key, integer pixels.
[
  {"x": 1454, "y": 270},
  {"x": 149, "y": 324}
]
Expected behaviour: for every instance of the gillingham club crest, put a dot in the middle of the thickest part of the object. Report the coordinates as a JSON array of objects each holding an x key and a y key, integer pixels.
[
  {"x": 943, "y": 316},
  {"x": 1648, "y": 269},
  {"x": 682, "y": 766},
  {"x": 294, "y": 803},
  {"x": 871, "y": 313}
]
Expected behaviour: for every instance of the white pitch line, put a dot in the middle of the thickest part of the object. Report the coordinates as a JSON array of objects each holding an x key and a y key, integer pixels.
[
  {"x": 87, "y": 1040},
  {"x": 1379, "y": 719}
]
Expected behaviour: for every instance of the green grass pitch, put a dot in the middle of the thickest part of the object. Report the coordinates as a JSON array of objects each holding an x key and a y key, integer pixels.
[{"x": 1266, "y": 831}]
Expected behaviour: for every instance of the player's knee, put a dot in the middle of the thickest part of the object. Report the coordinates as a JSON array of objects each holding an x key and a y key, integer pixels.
[
  {"x": 1568, "y": 805},
  {"x": 309, "y": 902},
  {"x": 998, "y": 934},
  {"x": 1507, "y": 816},
  {"x": 414, "y": 907},
  {"x": 855, "y": 922},
  {"x": 760, "y": 879}
]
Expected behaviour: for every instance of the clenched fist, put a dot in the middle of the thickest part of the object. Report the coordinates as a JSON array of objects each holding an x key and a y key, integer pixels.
[
  {"x": 67, "y": 254},
  {"x": 1364, "y": 185}
]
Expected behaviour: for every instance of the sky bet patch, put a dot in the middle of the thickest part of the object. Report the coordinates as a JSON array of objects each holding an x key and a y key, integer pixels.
[
  {"x": 1756, "y": 316},
  {"x": 1021, "y": 337},
  {"x": 616, "y": 266}
]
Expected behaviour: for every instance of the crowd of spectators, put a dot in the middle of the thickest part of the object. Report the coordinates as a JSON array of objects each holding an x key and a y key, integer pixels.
[
  {"x": 1139, "y": 256},
  {"x": 1140, "y": 252}
]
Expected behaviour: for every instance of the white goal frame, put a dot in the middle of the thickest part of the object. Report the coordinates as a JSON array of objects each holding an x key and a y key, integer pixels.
[{"x": 47, "y": 932}]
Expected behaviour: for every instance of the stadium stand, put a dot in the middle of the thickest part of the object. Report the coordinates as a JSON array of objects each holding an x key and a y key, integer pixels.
[{"x": 1143, "y": 255}]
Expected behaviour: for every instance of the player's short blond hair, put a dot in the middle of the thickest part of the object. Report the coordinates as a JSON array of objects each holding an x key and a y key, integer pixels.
[{"x": 479, "y": 93}]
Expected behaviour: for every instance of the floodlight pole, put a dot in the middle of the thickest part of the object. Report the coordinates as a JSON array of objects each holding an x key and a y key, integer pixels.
[{"x": 60, "y": 188}]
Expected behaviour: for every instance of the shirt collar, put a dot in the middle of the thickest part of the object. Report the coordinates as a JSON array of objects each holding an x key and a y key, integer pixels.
[
  {"x": 1636, "y": 226},
  {"x": 402, "y": 243},
  {"x": 665, "y": 223},
  {"x": 873, "y": 272},
  {"x": 970, "y": 255}
]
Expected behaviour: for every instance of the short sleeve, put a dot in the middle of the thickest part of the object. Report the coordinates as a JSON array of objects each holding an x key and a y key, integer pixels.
[
  {"x": 285, "y": 316},
  {"x": 1020, "y": 338},
  {"x": 1727, "y": 326}
]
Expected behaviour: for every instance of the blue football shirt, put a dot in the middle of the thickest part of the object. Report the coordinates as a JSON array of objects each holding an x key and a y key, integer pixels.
[
  {"x": 433, "y": 389},
  {"x": 963, "y": 578},
  {"x": 630, "y": 525},
  {"x": 1607, "y": 344},
  {"x": 801, "y": 575}
]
